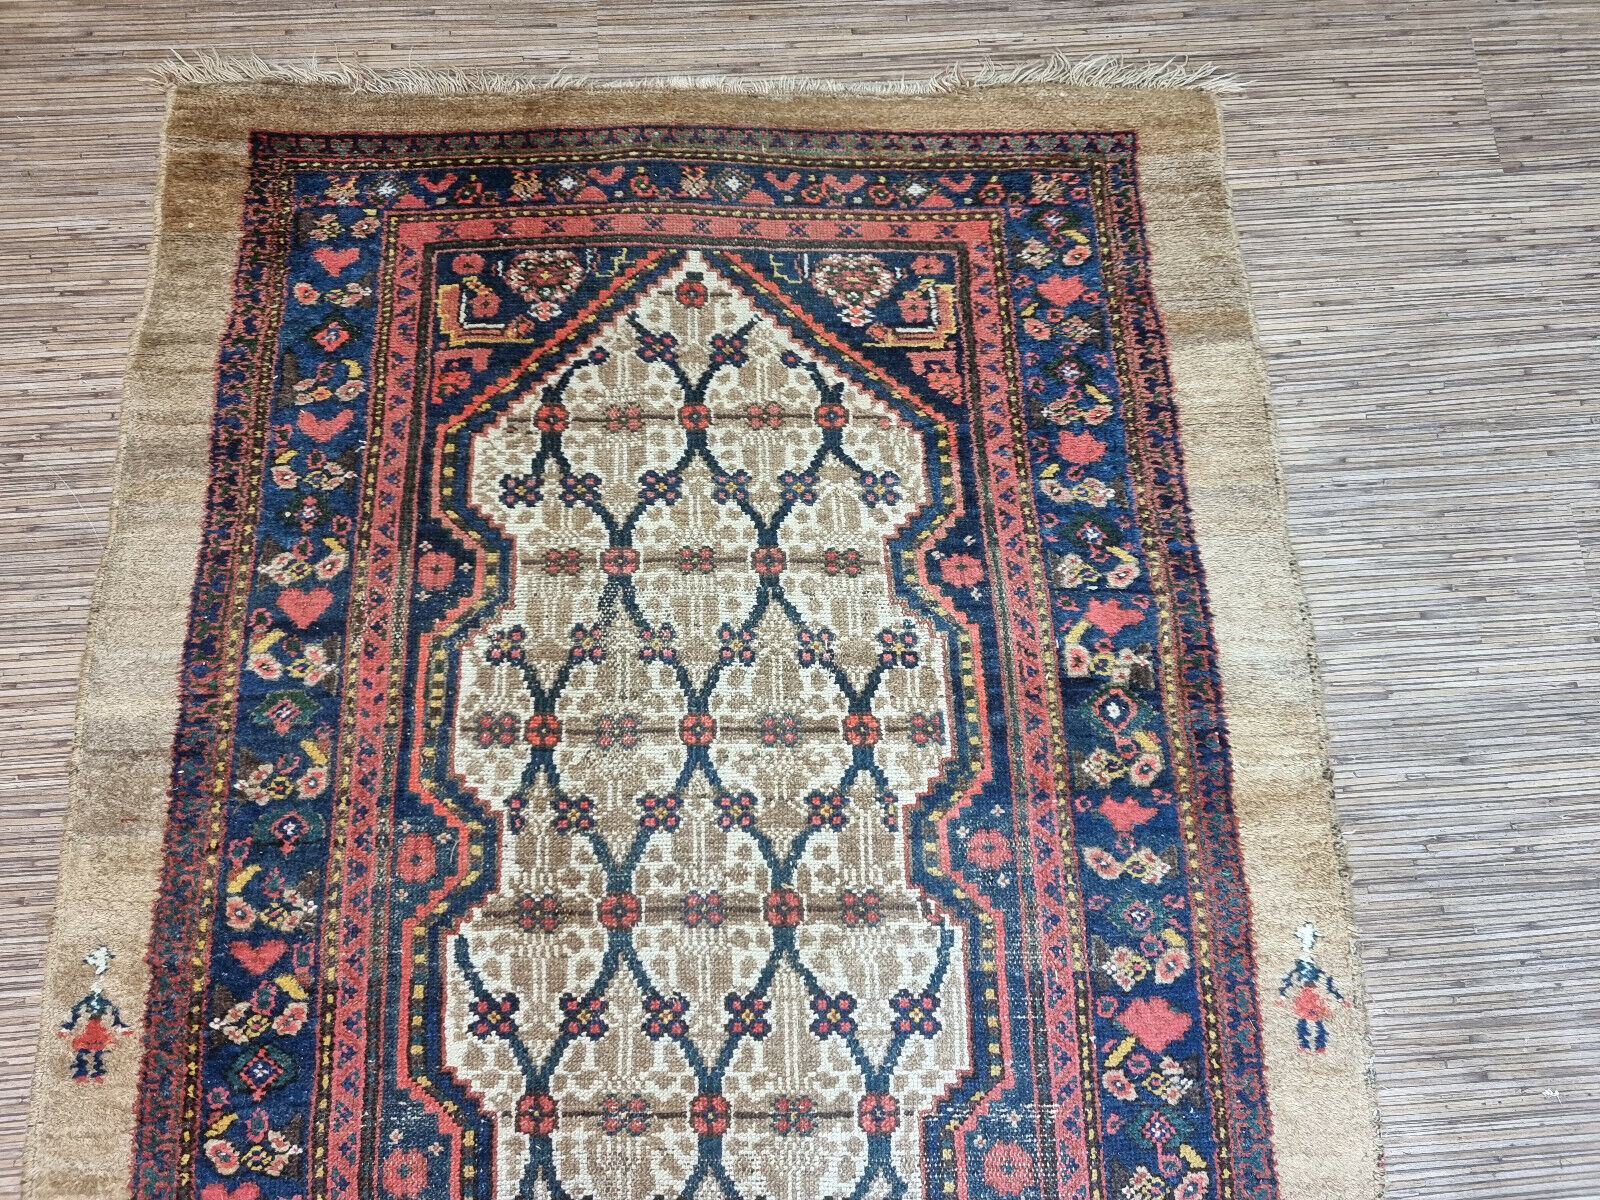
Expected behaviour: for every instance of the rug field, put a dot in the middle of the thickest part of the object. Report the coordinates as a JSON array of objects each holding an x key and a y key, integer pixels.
[{"x": 661, "y": 643}]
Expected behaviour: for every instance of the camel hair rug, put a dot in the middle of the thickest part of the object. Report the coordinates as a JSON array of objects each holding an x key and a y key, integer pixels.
[{"x": 702, "y": 640}]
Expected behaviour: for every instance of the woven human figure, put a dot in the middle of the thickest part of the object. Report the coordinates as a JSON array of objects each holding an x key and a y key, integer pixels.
[
  {"x": 100, "y": 1019},
  {"x": 1307, "y": 989}
]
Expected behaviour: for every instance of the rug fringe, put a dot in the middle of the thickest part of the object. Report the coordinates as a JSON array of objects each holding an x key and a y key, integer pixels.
[{"x": 1101, "y": 70}]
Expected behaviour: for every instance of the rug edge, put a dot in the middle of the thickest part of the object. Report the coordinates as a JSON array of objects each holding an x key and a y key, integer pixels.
[
  {"x": 1292, "y": 635},
  {"x": 129, "y": 527},
  {"x": 208, "y": 69},
  {"x": 1307, "y": 634}
]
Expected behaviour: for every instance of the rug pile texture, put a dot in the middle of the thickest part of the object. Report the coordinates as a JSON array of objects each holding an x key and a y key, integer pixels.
[{"x": 669, "y": 644}]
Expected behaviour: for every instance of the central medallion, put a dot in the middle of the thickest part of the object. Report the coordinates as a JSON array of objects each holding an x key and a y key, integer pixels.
[{"x": 699, "y": 719}]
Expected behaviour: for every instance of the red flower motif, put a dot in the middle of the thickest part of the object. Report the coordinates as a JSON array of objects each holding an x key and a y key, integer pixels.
[
  {"x": 664, "y": 1017},
  {"x": 961, "y": 570},
  {"x": 702, "y": 909},
  {"x": 660, "y": 811},
  {"x": 619, "y": 560},
  {"x": 859, "y": 908},
  {"x": 536, "y": 1115},
  {"x": 570, "y": 815},
  {"x": 878, "y": 1113},
  {"x": 621, "y": 417},
  {"x": 694, "y": 416},
  {"x": 495, "y": 729},
  {"x": 630, "y": 1115},
  {"x": 1008, "y": 1169},
  {"x": 466, "y": 264},
  {"x": 691, "y": 293},
  {"x": 841, "y": 562},
  {"x": 747, "y": 1015},
  {"x": 562, "y": 562},
  {"x": 736, "y": 809},
  {"x": 764, "y": 416},
  {"x": 583, "y": 1017},
  {"x": 619, "y": 910},
  {"x": 827, "y": 809},
  {"x": 620, "y": 729},
  {"x": 915, "y": 1014},
  {"x": 794, "y": 1114},
  {"x": 779, "y": 729},
  {"x": 709, "y": 1116},
  {"x": 833, "y": 1015},
  {"x": 768, "y": 560},
  {"x": 696, "y": 558},
  {"x": 988, "y": 849},
  {"x": 415, "y": 860},
  {"x": 494, "y": 1017},
  {"x": 783, "y": 908},
  {"x": 832, "y": 415},
  {"x": 697, "y": 729},
  {"x": 543, "y": 731},
  {"x": 538, "y": 914},
  {"x": 728, "y": 349},
  {"x": 862, "y": 729},
  {"x": 550, "y": 418}
]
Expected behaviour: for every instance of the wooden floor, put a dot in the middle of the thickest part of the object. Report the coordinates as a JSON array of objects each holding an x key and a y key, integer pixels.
[{"x": 1418, "y": 192}]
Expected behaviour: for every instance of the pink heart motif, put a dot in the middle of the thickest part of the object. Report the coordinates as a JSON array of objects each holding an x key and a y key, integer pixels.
[
  {"x": 221, "y": 1191},
  {"x": 333, "y": 261},
  {"x": 304, "y": 605},
  {"x": 320, "y": 429},
  {"x": 1125, "y": 814},
  {"x": 1112, "y": 617},
  {"x": 258, "y": 960},
  {"x": 1081, "y": 449},
  {"x": 1060, "y": 290}
]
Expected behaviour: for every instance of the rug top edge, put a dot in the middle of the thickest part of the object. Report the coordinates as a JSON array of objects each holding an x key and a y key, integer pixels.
[{"x": 209, "y": 70}]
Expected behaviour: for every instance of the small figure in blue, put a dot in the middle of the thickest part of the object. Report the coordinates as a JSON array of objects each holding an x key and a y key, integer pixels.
[
  {"x": 100, "y": 1020},
  {"x": 1307, "y": 988}
]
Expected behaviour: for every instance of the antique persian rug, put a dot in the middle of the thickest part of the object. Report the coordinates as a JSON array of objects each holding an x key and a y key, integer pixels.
[{"x": 687, "y": 645}]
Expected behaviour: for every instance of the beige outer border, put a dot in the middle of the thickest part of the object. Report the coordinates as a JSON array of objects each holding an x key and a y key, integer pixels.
[{"x": 1323, "y": 1110}]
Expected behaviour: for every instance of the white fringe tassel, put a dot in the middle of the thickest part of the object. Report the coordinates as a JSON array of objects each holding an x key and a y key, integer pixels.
[{"x": 1101, "y": 70}]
